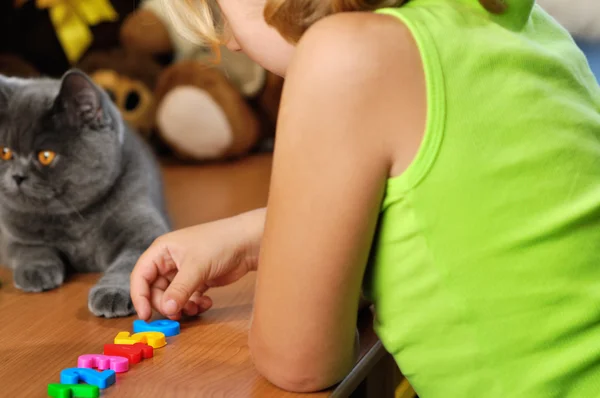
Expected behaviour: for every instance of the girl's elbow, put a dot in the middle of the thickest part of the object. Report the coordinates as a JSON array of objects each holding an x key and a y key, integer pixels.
[
  {"x": 297, "y": 380},
  {"x": 299, "y": 376}
]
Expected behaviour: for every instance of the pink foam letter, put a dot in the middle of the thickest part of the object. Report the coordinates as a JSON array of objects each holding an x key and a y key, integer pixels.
[{"x": 103, "y": 362}]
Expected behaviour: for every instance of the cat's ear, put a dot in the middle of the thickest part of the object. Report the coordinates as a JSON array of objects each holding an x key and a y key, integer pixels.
[{"x": 79, "y": 98}]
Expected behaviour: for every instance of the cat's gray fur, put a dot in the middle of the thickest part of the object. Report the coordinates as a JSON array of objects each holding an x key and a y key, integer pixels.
[{"x": 95, "y": 209}]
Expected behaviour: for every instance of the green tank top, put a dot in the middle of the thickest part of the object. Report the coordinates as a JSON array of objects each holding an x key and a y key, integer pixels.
[{"x": 485, "y": 269}]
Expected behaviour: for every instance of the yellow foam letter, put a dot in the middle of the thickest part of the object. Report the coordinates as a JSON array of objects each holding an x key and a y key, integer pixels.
[{"x": 153, "y": 339}]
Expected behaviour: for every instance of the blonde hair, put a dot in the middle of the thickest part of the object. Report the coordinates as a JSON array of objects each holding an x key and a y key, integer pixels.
[
  {"x": 195, "y": 20},
  {"x": 199, "y": 20}
]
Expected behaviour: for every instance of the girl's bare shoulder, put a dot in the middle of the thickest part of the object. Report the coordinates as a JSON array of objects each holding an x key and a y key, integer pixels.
[
  {"x": 370, "y": 63},
  {"x": 370, "y": 37}
]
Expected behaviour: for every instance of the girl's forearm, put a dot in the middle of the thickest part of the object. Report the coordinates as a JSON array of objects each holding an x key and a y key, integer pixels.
[{"x": 251, "y": 225}]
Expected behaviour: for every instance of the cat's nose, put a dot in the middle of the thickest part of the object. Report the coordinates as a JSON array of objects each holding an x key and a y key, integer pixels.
[{"x": 19, "y": 178}]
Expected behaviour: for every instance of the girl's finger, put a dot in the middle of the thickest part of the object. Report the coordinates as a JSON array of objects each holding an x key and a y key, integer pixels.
[
  {"x": 203, "y": 302},
  {"x": 157, "y": 296},
  {"x": 144, "y": 274},
  {"x": 189, "y": 279},
  {"x": 161, "y": 283},
  {"x": 191, "y": 308}
]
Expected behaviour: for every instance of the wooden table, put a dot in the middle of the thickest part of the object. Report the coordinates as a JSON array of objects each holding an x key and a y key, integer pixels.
[{"x": 43, "y": 333}]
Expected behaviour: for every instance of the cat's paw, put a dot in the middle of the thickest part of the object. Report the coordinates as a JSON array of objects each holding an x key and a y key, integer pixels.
[
  {"x": 110, "y": 302},
  {"x": 38, "y": 278}
]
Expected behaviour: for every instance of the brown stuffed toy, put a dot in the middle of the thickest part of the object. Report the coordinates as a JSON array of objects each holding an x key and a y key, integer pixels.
[
  {"x": 201, "y": 115},
  {"x": 159, "y": 103},
  {"x": 205, "y": 111}
]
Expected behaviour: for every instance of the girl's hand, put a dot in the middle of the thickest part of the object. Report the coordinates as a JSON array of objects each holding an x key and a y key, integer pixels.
[{"x": 178, "y": 268}]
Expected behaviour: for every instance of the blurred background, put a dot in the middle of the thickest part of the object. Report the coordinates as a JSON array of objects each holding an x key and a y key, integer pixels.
[
  {"x": 171, "y": 90},
  {"x": 582, "y": 19}
]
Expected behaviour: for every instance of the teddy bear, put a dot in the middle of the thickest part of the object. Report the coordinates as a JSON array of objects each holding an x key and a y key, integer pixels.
[
  {"x": 582, "y": 19},
  {"x": 53, "y": 35},
  {"x": 157, "y": 101},
  {"x": 151, "y": 96},
  {"x": 202, "y": 116},
  {"x": 204, "y": 110}
]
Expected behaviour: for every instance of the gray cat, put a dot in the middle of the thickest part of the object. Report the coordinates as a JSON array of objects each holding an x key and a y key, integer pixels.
[{"x": 78, "y": 190}]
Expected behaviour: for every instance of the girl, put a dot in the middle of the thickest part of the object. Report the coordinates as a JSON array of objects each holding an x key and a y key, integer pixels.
[{"x": 451, "y": 145}]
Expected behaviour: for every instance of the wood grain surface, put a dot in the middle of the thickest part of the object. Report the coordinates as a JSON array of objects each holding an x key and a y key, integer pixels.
[{"x": 43, "y": 333}]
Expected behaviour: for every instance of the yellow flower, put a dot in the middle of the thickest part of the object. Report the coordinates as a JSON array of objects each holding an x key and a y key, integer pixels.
[{"x": 72, "y": 20}]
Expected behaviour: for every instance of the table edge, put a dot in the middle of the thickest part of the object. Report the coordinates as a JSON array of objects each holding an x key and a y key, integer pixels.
[{"x": 360, "y": 371}]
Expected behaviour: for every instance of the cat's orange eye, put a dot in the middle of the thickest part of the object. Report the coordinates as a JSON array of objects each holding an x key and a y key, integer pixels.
[
  {"x": 46, "y": 157},
  {"x": 5, "y": 153}
]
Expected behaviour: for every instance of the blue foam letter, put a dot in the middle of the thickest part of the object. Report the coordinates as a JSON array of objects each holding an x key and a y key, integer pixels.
[
  {"x": 90, "y": 376},
  {"x": 165, "y": 326}
]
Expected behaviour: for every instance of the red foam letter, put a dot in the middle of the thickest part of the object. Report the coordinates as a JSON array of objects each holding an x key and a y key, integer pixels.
[{"x": 134, "y": 353}]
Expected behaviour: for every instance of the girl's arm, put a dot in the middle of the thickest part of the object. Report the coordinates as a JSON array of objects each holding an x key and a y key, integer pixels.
[{"x": 352, "y": 113}]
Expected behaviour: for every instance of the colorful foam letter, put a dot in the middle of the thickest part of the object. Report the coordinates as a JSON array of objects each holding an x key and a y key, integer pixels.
[
  {"x": 103, "y": 362},
  {"x": 165, "y": 326},
  {"x": 133, "y": 353},
  {"x": 153, "y": 339},
  {"x": 73, "y": 391},
  {"x": 90, "y": 376}
]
